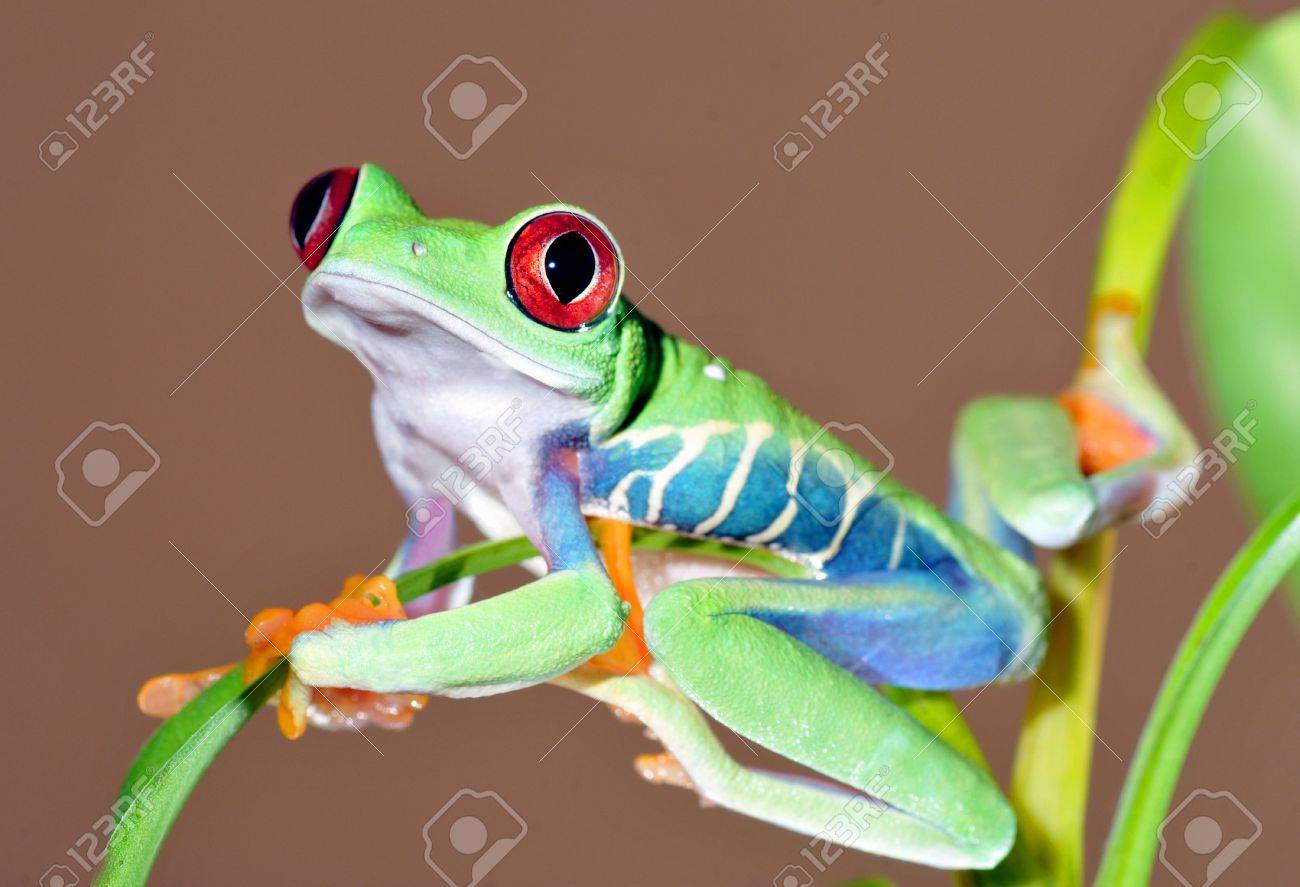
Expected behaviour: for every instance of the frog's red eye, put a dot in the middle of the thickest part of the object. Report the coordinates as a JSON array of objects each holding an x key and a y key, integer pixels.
[
  {"x": 562, "y": 270},
  {"x": 317, "y": 212}
]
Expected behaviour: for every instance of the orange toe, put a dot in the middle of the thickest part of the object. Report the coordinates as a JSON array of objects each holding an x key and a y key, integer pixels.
[
  {"x": 269, "y": 636},
  {"x": 1107, "y": 438},
  {"x": 163, "y": 696}
]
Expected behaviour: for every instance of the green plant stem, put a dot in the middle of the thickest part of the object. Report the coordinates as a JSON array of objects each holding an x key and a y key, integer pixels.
[
  {"x": 1192, "y": 678},
  {"x": 1049, "y": 780},
  {"x": 170, "y": 765},
  {"x": 1053, "y": 763}
]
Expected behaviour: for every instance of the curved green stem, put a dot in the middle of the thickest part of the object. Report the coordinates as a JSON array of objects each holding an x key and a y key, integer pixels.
[
  {"x": 1192, "y": 677},
  {"x": 170, "y": 765},
  {"x": 1053, "y": 762}
]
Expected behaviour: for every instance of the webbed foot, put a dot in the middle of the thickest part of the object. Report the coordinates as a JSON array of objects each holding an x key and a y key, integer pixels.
[{"x": 269, "y": 636}]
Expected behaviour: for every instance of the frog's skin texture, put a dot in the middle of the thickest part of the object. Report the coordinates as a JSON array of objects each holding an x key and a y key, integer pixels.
[{"x": 618, "y": 419}]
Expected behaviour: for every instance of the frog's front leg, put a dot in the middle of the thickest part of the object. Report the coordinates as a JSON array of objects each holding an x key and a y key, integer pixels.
[
  {"x": 1052, "y": 472},
  {"x": 509, "y": 641},
  {"x": 786, "y": 663}
]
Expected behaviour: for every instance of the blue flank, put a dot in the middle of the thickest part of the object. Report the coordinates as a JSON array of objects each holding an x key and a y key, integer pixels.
[
  {"x": 925, "y": 621},
  {"x": 694, "y": 493}
]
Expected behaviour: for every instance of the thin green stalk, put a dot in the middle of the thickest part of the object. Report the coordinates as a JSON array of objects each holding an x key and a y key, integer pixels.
[
  {"x": 1192, "y": 678},
  {"x": 170, "y": 765},
  {"x": 1053, "y": 761},
  {"x": 1049, "y": 780}
]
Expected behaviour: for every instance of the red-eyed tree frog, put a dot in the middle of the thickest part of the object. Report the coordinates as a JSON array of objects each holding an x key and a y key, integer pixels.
[{"x": 521, "y": 332}]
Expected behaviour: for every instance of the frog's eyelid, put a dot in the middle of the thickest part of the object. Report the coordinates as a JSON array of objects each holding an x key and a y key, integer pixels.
[{"x": 317, "y": 212}]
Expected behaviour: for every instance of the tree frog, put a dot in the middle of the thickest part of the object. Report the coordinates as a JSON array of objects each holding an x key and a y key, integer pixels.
[{"x": 467, "y": 326}]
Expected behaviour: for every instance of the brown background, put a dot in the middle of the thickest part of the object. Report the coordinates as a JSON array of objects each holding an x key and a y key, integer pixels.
[{"x": 843, "y": 283}]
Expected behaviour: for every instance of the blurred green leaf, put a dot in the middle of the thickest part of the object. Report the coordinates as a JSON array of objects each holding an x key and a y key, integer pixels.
[
  {"x": 1192, "y": 677},
  {"x": 1243, "y": 260}
]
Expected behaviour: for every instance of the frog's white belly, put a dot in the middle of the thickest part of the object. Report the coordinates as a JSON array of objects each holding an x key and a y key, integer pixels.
[{"x": 451, "y": 419}]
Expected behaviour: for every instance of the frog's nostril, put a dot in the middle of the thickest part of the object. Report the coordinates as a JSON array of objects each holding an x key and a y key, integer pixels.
[{"x": 317, "y": 212}]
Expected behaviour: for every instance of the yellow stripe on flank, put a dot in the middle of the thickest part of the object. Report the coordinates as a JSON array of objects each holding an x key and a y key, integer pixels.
[{"x": 756, "y": 433}]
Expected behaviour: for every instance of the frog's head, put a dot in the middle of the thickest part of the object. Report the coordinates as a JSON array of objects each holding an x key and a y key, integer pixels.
[{"x": 537, "y": 295}]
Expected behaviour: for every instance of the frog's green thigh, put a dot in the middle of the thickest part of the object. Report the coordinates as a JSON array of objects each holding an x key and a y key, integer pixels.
[
  {"x": 714, "y": 638},
  {"x": 865, "y": 819}
]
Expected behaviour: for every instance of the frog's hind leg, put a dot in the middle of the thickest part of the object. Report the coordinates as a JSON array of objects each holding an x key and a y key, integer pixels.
[
  {"x": 859, "y": 819},
  {"x": 783, "y": 663}
]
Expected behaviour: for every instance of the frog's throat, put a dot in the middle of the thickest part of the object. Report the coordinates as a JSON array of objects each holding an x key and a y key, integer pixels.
[
  {"x": 636, "y": 373},
  {"x": 380, "y": 303}
]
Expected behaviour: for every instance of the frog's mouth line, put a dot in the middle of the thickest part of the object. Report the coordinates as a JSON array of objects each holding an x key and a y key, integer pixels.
[{"x": 390, "y": 309}]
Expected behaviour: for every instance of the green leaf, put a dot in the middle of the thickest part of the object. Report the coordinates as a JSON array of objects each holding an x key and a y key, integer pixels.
[
  {"x": 758, "y": 558},
  {"x": 1149, "y": 197},
  {"x": 1243, "y": 263},
  {"x": 472, "y": 560},
  {"x": 1192, "y": 677}
]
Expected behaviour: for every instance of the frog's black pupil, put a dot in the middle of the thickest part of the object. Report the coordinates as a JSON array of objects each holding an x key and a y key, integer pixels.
[{"x": 570, "y": 265}]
